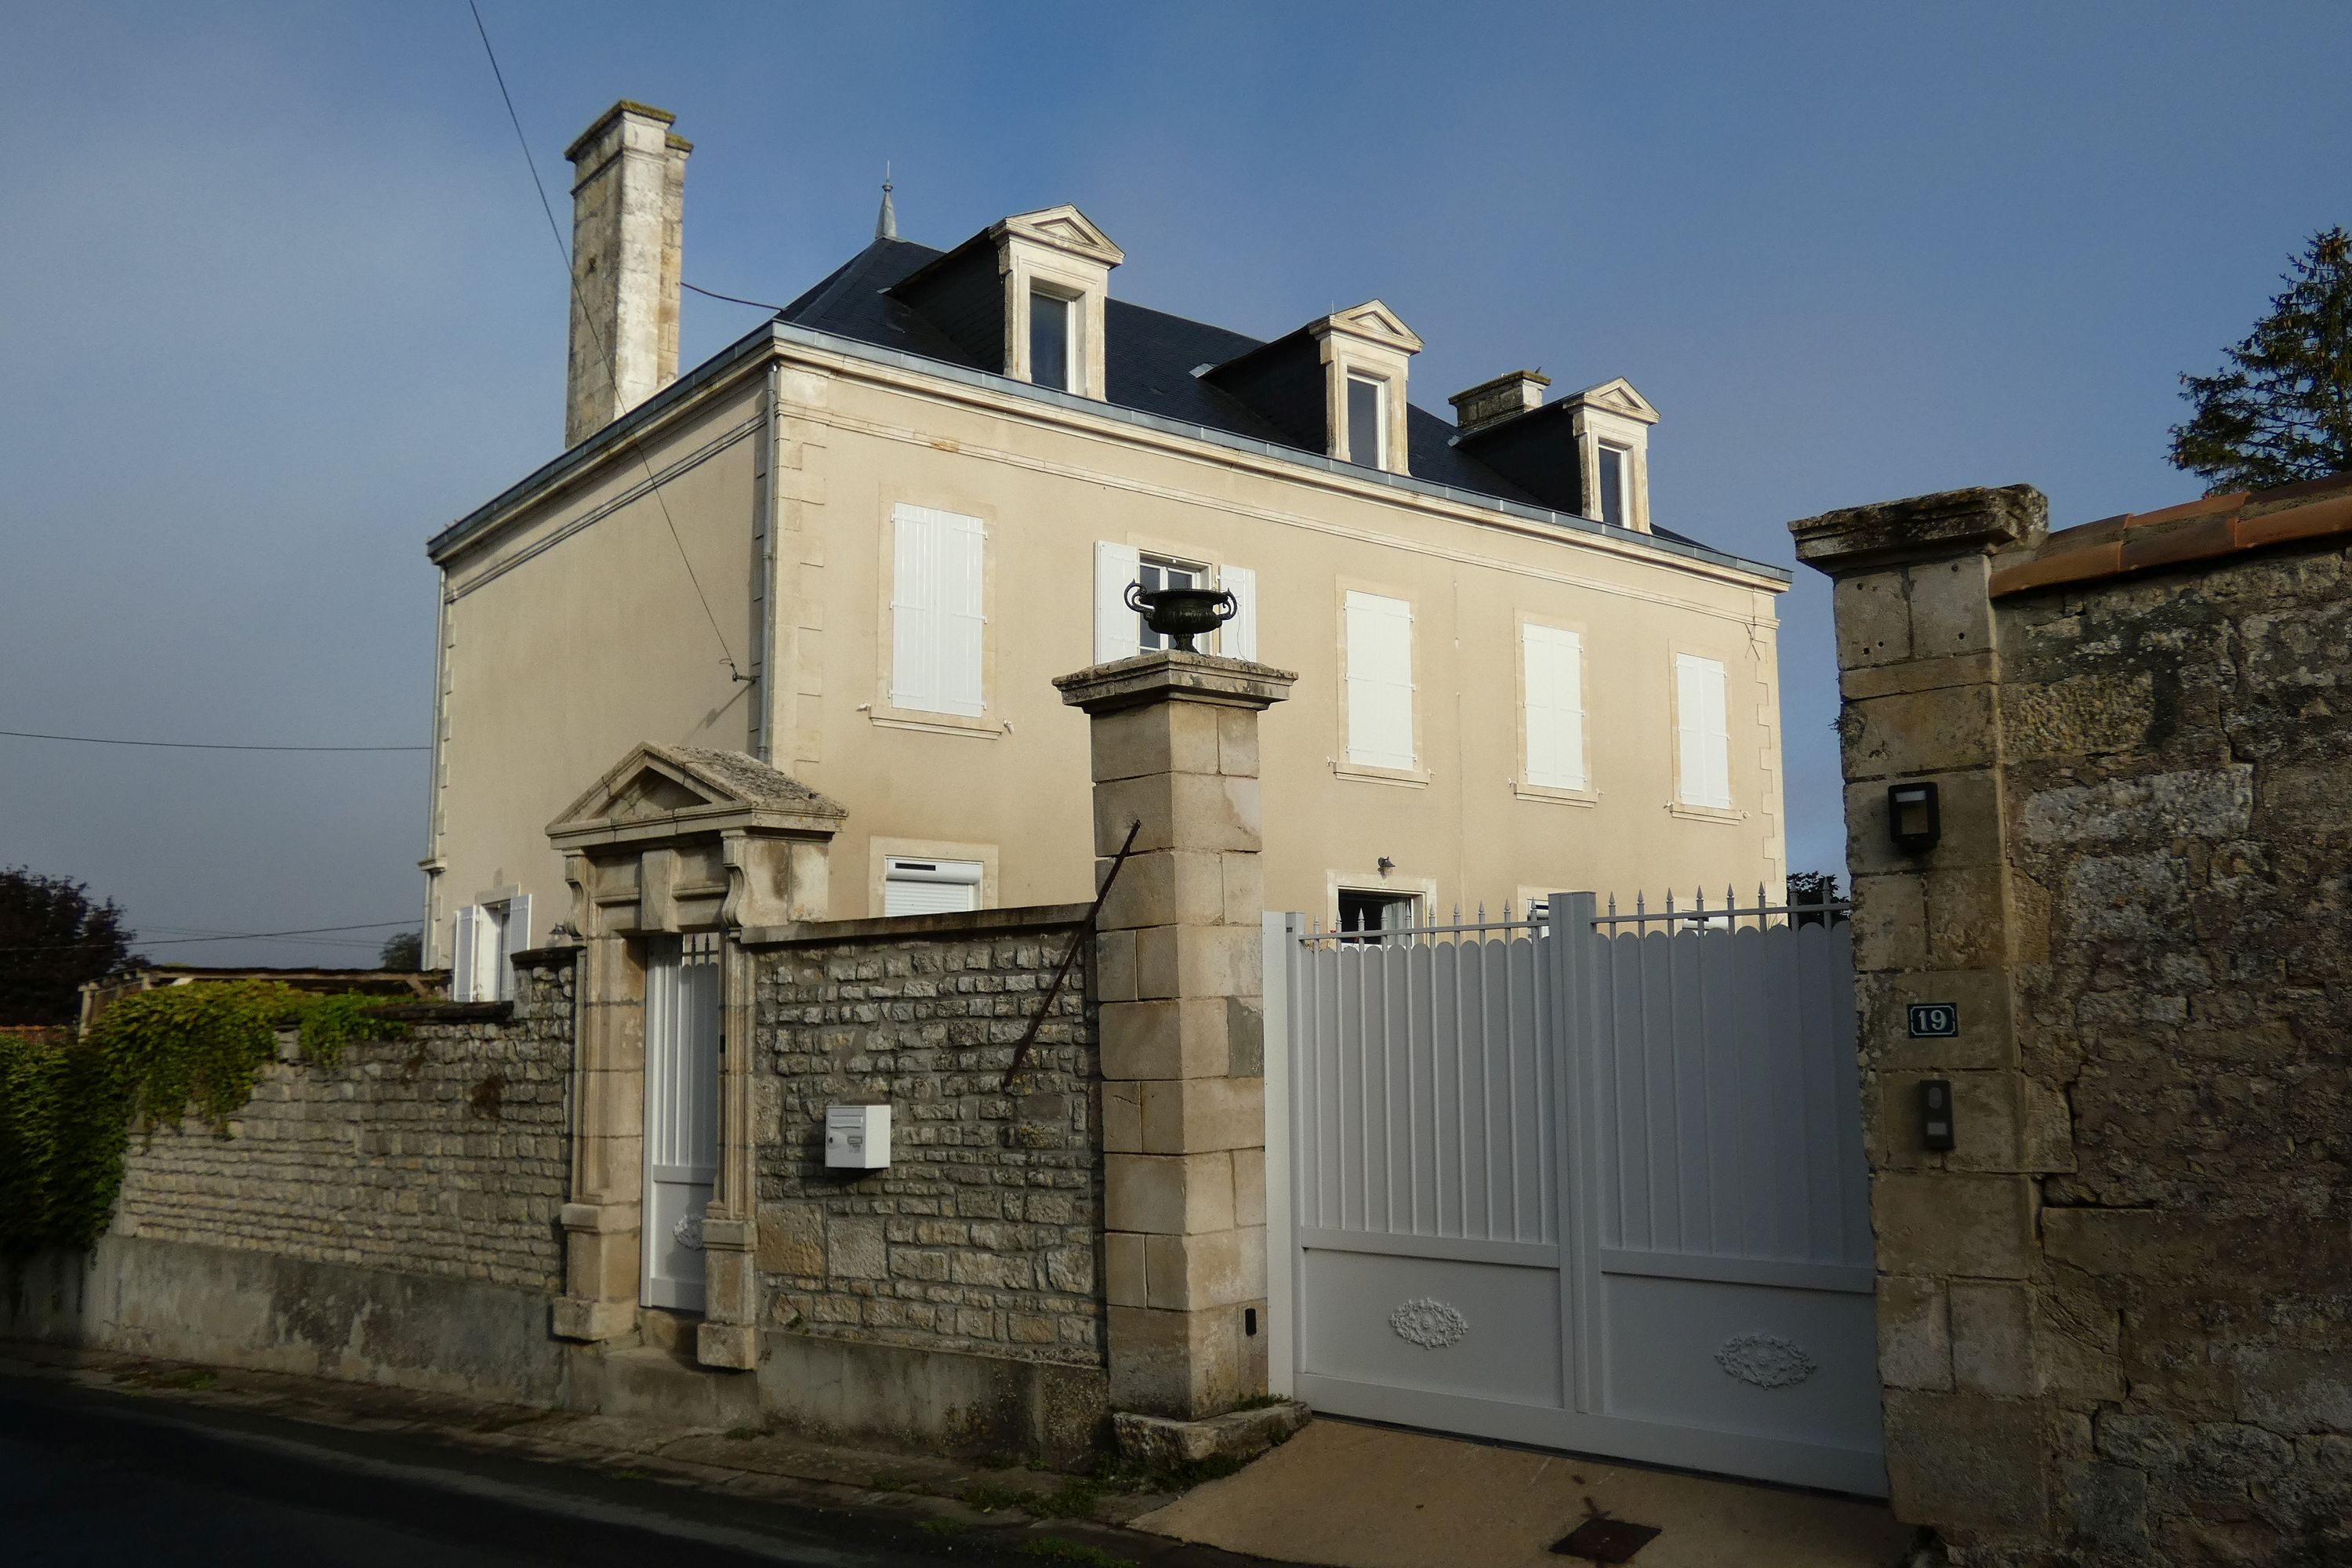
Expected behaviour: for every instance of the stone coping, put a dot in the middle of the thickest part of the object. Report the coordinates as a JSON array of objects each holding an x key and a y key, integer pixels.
[
  {"x": 2206, "y": 529},
  {"x": 447, "y": 1013},
  {"x": 957, "y": 923},
  {"x": 1173, "y": 674}
]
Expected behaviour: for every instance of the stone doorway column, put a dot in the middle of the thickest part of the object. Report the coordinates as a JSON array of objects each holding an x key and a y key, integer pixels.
[{"x": 1183, "y": 1047}]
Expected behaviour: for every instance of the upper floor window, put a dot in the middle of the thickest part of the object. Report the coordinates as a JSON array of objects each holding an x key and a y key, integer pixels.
[
  {"x": 1379, "y": 686},
  {"x": 1367, "y": 421},
  {"x": 1156, "y": 572},
  {"x": 936, "y": 611},
  {"x": 1552, "y": 675},
  {"x": 1615, "y": 470},
  {"x": 1702, "y": 733},
  {"x": 1052, "y": 341},
  {"x": 489, "y": 936}
]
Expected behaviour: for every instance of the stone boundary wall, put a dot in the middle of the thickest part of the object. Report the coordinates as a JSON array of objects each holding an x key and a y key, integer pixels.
[
  {"x": 446, "y": 1153},
  {"x": 983, "y": 1236},
  {"x": 2113, "y": 1316}
]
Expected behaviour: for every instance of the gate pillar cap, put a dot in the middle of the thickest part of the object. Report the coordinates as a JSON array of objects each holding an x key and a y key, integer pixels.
[
  {"x": 1172, "y": 676},
  {"x": 1923, "y": 527}
]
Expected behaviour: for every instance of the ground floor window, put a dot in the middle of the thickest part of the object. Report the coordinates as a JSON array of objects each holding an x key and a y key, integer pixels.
[
  {"x": 912, "y": 887},
  {"x": 1362, "y": 909}
]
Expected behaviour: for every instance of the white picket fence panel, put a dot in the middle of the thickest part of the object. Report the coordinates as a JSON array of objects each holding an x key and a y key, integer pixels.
[{"x": 1595, "y": 1190}]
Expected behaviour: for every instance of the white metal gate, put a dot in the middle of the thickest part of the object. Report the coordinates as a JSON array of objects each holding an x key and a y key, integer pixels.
[
  {"x": 1596, "y": 1185},
  {"x": 682, "y": 999}
]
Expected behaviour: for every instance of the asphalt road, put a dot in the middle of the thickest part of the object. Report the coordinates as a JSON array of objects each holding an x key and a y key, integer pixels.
[{"x": 92, "y": 1476}]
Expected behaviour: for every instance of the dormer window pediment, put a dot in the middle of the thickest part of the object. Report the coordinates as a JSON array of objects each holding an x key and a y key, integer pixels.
[
  {"x": 1055, "y": 266},
  {"x": 1366, "y": 350}
]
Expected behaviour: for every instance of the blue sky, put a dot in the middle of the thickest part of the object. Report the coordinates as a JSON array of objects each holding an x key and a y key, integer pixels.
[{"x": 280, "y": 304}]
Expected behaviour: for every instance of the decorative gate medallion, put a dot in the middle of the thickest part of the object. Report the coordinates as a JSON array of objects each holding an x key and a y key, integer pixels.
[
  {"x": 689, "y": 1231},
  {"x": 1429, "y": 1323},
  {"x": 1767, "y": 1361}
]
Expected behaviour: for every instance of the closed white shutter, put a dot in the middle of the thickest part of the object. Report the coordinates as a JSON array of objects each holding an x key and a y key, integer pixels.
[
  {"x": 1240, "y": 636},
  {"x": 1380, "y": 681},
  {"x": 1117, "y": 628},
  {"x": 937, "y": 629},
  {"x": 514, "y": 935},
  {"x": 929, "y": 887},
  {"x": 462, "y": 954},
  {"x": 1702, "y": 736},
  {"x": 1554, "y": 671},
  {"x": 962, "y": 624}
]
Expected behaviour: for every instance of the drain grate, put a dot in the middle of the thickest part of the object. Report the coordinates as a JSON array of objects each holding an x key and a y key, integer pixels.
[{"x": 1600, "y": 1539}]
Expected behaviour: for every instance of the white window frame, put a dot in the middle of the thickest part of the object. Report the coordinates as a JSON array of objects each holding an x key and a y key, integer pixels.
[
  {"x": 1074, "y": 314},
  {"x": 489, "y": 932},
  {"x": 1379, "y": 385},
  {"x": 1575, "y": 787},
  {"x": 1201, "y": 574},
  {"x": 1701, "y": 717},
  {"x": 1624, "y": 496}
]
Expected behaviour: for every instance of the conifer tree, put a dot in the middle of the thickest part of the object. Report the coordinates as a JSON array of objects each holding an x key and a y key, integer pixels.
[{"x": 2282, "y": 411}]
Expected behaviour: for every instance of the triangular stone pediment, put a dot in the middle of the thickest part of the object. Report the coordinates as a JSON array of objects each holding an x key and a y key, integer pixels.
[
  {"x": 1617, "y": 396},
  {"x": 1064, "y": 228},
  {"x": 1375, "y": 321},
  {"x": 658, "y": 784}
]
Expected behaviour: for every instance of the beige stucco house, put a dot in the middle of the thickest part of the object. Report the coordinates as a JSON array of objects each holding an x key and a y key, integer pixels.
[{"x": 859, "y": 543}]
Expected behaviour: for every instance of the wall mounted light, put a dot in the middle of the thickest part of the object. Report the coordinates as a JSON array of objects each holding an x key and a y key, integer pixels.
[
  {"x": 1915, "y": 816},
  {"x": 1385, "y": 865}
]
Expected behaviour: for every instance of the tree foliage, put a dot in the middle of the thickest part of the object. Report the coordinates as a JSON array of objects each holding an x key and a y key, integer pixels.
[
  {"x": 68, "y": 1107},
  {"x": 405, "y": 950},
  {"x": 53, "y": 937},
  {"x": 2282, "y": 411}
]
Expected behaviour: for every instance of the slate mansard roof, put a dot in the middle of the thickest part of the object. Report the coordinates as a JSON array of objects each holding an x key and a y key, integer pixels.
[{"x": 1149, "y": 361}]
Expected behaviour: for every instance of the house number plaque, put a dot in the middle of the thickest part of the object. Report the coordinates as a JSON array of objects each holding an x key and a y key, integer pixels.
[{"x": 1935, "y": 1020}]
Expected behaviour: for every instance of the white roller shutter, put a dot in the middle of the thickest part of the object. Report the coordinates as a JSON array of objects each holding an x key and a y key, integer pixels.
[
  {"x": 911, "y": 887},
  {"x": 1239, "y": 640},
  {"x": 1117, "y": 628},
  {"x": 936, "y": 628},
  {"x": 1380, "y": 681},
  {"x": 1554, "y": 672},
  {"x": 1702, "y": 735}
]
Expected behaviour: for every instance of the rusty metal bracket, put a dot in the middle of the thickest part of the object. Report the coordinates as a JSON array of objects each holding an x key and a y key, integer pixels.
[{"x": 1086, "y": 934}]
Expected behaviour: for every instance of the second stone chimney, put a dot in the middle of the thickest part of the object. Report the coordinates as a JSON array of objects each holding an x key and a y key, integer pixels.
[
  {"x": 1500, "y": 398},
  {"x": 628, "y": 214}
]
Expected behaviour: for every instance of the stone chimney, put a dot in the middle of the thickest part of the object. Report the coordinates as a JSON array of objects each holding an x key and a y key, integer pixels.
[
  {"x": 628, "y": 207},
  {"x": 1500, "y": 398}
]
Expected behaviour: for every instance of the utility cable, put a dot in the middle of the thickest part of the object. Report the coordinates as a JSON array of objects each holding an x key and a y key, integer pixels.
[
  {"x": 612, "y": 364},
  {"x": 226, "y": 936},
  {"x": 195, "y": 745},
  {"x": 730, "y": 299}
]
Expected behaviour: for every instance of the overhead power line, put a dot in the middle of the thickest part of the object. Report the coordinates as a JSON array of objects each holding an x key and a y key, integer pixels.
[
  {"x": 195, "y": 745},
  {"x": 730, "y": 299},
  {"x": 225, "y": 936},
  {"x": 612, "y": 363}
]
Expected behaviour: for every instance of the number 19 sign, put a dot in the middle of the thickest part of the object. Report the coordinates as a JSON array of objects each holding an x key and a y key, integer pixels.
[{"x": 1935, "y": 1020}]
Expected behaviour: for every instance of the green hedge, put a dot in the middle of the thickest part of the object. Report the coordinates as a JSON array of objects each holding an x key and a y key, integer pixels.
[{"x": 68, "y": 1107}]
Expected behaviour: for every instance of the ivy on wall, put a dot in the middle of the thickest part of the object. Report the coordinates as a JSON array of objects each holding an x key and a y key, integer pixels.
[{"x": 68, "y": 1108}]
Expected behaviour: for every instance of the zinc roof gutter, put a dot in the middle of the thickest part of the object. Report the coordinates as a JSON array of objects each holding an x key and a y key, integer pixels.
[{"x": 753, "y": 346}]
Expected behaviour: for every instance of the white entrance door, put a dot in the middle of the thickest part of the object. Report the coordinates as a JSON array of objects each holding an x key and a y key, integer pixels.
[{"x": 682, "y": 993}]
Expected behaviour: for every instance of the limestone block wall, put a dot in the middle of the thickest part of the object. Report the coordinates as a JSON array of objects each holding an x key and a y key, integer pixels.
[
  {"x": 983, "y": 1236},
  {"x": 444, "y": 1153},
  {"x": 2116, "y": 1317}
]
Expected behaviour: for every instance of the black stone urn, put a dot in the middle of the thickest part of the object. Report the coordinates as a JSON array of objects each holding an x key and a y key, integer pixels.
[{"x": 1180, "y": 614}]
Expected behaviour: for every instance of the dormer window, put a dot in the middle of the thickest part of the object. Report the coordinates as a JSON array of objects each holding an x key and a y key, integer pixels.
[
  {"x": 1367, "y": 421},
  {"x": 1054, "y": 333},
  {"x": 1616, "y": 466}
]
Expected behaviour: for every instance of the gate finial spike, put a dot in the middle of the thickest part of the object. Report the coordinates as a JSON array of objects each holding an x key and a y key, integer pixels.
[
  {"x": 1482, "y": 911},
  {"x": 1641, "y": 905},
  {"x": 1670, "y": 900},
  {"x": 1612, "y": 906},
  {"x": 1457, "y": 911},
  {"x": 1506, "y": 911}
]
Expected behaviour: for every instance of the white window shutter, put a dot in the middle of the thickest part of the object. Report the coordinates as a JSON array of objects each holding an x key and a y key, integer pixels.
[
  {"x": 461, "y": 958},
  {"x": 937, "y": 630},
  {"x": 1554, "y": 672},
  {"x": 514, "y": 935},
  {"x": 1116, "y": 629},
  {"x": 1702, "y": 739},
  {"x": 914, "y": 609},
  {"x": 1240, "y": 636},
  {"x": 1380, "y": 681},
  {"x": 962, "y": 624}
]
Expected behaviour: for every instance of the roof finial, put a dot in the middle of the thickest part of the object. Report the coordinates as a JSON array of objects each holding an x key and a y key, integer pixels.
[{"x": 885, "y": 223}]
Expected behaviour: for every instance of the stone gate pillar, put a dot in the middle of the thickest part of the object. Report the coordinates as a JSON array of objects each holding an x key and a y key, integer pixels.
[
  {"x": 1958, "y": 1254},
  {"x": 1183, "y": 1044}
]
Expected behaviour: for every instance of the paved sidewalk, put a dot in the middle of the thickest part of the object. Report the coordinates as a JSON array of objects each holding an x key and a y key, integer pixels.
[{"x": 1375, "y": 1497}]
